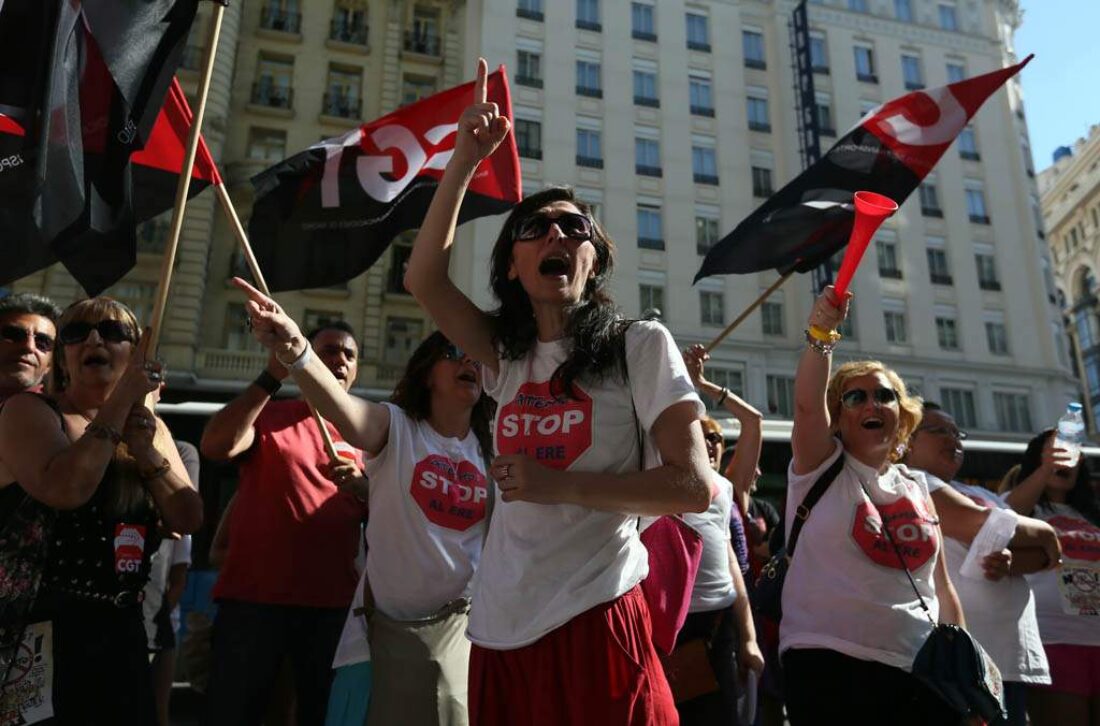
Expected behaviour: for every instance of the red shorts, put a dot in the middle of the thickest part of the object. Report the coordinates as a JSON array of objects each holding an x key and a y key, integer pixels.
[
  {"x": 1074, "y": 669},
  {"x": 599, "y": 668}
]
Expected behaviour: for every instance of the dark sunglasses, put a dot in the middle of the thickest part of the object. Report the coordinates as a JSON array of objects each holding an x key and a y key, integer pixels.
[
  {"x": 713, "y": 437},
  {"x": 858, "y": 396},
  {"x": 572, "y": 225},
  {"x": 945, "y": 431},
  {"x": 19, "y": 336},
  {"x": 112, "y": 331}
]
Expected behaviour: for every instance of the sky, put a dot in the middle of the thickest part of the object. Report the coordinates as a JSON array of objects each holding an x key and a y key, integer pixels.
[{"x": 1062, "y": 83}]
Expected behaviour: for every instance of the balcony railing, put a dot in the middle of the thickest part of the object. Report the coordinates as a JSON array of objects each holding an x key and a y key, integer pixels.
[
  {"x": 699, "y": 46},
  {"x": 932, "y": 212},
  {"x": 644, "y": 35},
  {"x": 529, "y": 81},
  {"x": 234, "y": 364},
  {"x": 913, "y": 85},
  {"x": 589, "y": 161},
  {"x": 281, "y": 20},
  {"x": 644, "y": 170},
  {"x": 649, "y": 101},
  {"x": 530, "y": 152},
  {"x": 589, "y": 25},
  {"x": 827, "y": 131},
  {"x": 867, "y": 77},
  {"x": 590, "y": 91},
  {"x": 979, "y": 219},
  {"x": 760, "y": 126},
  {"x": 761, "y": 191},
  {"x": 970, "y": 155},
  {"x": 707, "y": 111},
  {"x": 651, "y": 243},
  {"x": 993, "y": 285},
  {"x": 264, "y": 94},
  {"x": 711, "y": 179},
  {"x": 823, "y": 70},
  {"x": 343, "y": 32},
  {"x": 529, "y": 14},
  {"x": 341, "y": 106},
  {"x": 890, "y": 273},
  {"x": 940, "y": 278},
  {"x": 422, "y": 43},
  {"x": 756, "y": 63}
]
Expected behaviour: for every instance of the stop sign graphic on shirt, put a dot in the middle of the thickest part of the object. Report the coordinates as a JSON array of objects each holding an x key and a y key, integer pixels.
[
  {"x": 912, "y": 530},
  {"x": 450, "y": 495},
  {"x": 553, "y": 431},
  {"x": 1080, "y": 539}
]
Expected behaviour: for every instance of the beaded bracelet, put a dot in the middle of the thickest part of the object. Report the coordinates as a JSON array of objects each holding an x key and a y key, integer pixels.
[
  {"x": 99, "y": 430},
  {"x": 819, "y": 346}
]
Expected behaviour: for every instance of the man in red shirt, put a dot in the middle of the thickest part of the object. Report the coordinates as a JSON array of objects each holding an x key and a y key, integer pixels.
[
  {"x": 27, "y": 338},
  {"x": 289, "y": 573}
]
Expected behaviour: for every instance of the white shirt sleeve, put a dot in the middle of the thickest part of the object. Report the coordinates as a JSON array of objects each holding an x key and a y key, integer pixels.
[
  {"x": 658, "y": 376},
  {"x": 399, "y": 422},
  {"x": 934, "y": 482}
]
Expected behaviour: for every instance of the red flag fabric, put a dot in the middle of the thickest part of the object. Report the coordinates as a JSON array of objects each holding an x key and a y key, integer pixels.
[{"x": 326, "y": 214}]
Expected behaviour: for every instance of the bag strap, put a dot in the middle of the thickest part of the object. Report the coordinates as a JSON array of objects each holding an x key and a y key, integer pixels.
[
  {"x": 812, "y": 497},
  {"x": 901, "y": 558}
]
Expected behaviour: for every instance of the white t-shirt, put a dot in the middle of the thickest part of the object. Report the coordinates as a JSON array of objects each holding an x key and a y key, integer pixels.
[
  {"x": 846, "y": 590},
  {"x": 544, "y": 564},
  {"x": 713, "y": 584},
  {"x": 1001, "y": 614},
  {"x": 427, "y": 518},
  {"x": 1067, "y": 599}
]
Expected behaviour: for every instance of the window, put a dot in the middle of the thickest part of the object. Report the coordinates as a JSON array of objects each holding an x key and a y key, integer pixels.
[
  {"x": 865, "y": 64},
  {"x": 762, "y": 182},
  {"x": 698, "y": 32},
  {"x": 236, "y": 334},
  {"x": 859, "y": 6},
  {"x": 274, "y": 77},
  {"x": 645, "y": 88},
  {"x": 349, "y": 23},
  {"x": 529, "y": 138},
  {"x": 938, "y": 271},
  {"x": 731, "y": 379},
  {"x": 987, "y": 271},
  {"x": 588, "y": 15},
  {"x": 825, "y": 116},
  {"x": 959, "y": 402},
  {"x": 701, "y": 94},
  {"x": 996, "y": 335},
  {"x": 955, "y": 72},
  {"x": 947, "y": 332},
  {"x": 529, "y": 68},
  {"x": 266, "y": 144},
  {"x": 771, "y": 314},
  {"x": 399, "y": 262},
  {"x": 887, "y": 259},
  {"x": 651, "y": 297},
  {"x": 704, "y": 164},
  {"x": 819, "y": 55},
  {"x": 343, "y": 95},
  {"x": 712, "y": 308},
  {"x": 1013, "y": 412},
  {"x": 930, "y": 200},
  {"x": 281, "y": 16},
  {"x": 975, "y": 205},
  {"x": 758, "y": 114},
  {"x": 138, "y": 296},
  {"x": 588, "y": 79},
  {"x": 753, "y": 42},
  {"x": 647, "y": 156},
  {"x": 152, "y": 235},
  {"x": 948, "y": 19},
  {"x": 414, "y": 88},
  {"x": 968, "y": 144},
  {"x": 781, "y": 395},
  {"x": 530, "y": 9},
  {"x": 911, "y": 72},
  {"x": 642, "y": 21},
  {"x": 706, "y": 233},
  {"x": 423, "y": 36},
  {"x": 650, "y": 233},
  {"x": 403, "y": 335},
  {"x": 313, "y": 319},
  {"x": 894, "y": 321},
  {"x": 588, "y": 148},
  {"x": 903, "y": 10}
]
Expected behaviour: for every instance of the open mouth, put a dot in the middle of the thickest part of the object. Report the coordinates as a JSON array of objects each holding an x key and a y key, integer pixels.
[
  {"x": 468, "y": 377},
  {"x": 1063, "y": 473},
  {"x": 872, "y": 424},
  {"x": 95, "y": 359},
  {"x": 555, "y": 266}
]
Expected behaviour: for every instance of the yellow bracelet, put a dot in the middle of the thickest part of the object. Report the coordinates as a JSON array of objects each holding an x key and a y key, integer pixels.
[{"x": 825, "y": 336}]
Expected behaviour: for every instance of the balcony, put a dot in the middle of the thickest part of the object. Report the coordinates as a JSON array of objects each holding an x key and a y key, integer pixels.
[
  {"x": 281, "y": 21},
  {"x": 643, "y": 170},
  {"x": 970, "y": 155},
  {"x": 651, "y": 243},
  {"x": 191, "y": 60},
  {"x": 589, "y": 25},
  {"x": 762, "y": 192},
  {"x": 756, "y": 63},
  {"x": 913, "y": 86},
  {"x": 867, "y": 77},
  {"x": 589, "y": 91},
  {"x": 993, "y": 285},
  {"x": 890, "y": 273},
  {"x": 422, "y": 43},
  {"x": 529, "y": 14},
  {"x": 342, "y": 32},
  {"x": 238, "y": 365},
  {"x": 529, "y": 81},
  {"x": 941, "y": 278},
  {"x": 644, "y": 35},
  {"x": 530, "y": 152},
  {"x": 827, "y": 131},
  {"x": 699, "y": 46},
  {"x": 589, "y": 161},
  {"x": 707, "y": 111},
  {"x": 821, "y": 70},
  {"x": 979, "y": 219},
  {"x": 710, "y": 179},
  {"x": 931, "y": 212},
  {"x": 341, "y": 105},
  {"x": 648, "y": 101},
  {"x": 265, "y": 94},
  {"x": 760, "y": 126}
]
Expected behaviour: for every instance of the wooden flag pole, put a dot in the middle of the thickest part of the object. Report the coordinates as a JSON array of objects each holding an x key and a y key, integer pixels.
[
  {"x": 748, "y": 311},
  {"x": 261, "y": 283}
]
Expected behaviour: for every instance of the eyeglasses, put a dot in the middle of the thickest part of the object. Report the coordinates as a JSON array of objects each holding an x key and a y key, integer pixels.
[
  {"x": 713, "y": 437},
  {"x": 572, "y": 225},
  {"x": 453, "y": 352},
  {"x": 19, "y": 335},
  {"x": 945, "y": 431},
  {"x": 858, "y": 396},
  {"x": 112, "y": 331}
]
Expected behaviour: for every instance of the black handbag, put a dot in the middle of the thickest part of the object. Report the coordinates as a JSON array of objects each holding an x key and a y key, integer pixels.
[
  {"x": 951, "y": 662},
  {"x": 767, "y": 592}
]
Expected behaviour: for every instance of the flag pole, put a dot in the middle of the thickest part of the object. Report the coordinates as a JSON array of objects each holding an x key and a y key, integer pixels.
[
  {"x": 261, "y": 283},
  {"x": 748, "y": 311}
]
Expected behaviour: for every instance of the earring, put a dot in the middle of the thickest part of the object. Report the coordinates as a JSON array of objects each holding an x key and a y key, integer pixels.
[{"x": 900, "y": 449}]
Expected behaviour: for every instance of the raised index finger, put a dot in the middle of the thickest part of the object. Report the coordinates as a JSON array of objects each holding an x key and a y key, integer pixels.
[
  {"x": 251, "y": 291},
  {"x": 481, "y": 82},
  {"x": 141, "y": 352}
]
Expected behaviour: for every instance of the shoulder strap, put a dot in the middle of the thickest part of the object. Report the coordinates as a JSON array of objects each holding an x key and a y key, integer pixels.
[{"x": 811, "y": 498}]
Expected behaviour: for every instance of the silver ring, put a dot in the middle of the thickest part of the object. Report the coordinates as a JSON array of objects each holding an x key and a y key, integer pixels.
[
  {"x": 154, "y": 376},
  {"x": 507, "y": 471}
]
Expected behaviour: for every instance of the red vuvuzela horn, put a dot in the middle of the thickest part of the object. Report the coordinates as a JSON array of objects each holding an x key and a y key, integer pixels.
[{"x": 871, "y": 211}]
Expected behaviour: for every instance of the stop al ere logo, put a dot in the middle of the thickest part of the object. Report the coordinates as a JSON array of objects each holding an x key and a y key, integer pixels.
[
  {"x": 911, "y": 529},
  {"x": 553, "y": 431},
  {"x": 450, "y": 495}
]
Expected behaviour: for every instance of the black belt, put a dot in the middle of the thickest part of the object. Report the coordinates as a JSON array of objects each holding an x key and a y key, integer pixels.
[{"x": 122, "y": 599}]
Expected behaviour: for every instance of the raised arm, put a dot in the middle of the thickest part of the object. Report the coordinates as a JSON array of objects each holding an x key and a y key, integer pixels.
[
  {"x": 229, "y": 432},
  {"x": 480, "y": 131},
  {"x": 1026, "y": 494},
  {"x": 811, "y": 439},
  {"x": 162, "y": 472}
]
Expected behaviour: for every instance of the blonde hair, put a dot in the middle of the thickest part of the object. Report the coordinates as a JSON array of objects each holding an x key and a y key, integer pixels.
[
  {"x": 910, "y": 410},
  {"x": 711, "y": 426},
  {"x": 89, "y": 310}
]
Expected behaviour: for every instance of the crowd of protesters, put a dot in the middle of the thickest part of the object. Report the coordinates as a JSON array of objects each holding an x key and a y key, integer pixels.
[{"x": 485, "y": 545}]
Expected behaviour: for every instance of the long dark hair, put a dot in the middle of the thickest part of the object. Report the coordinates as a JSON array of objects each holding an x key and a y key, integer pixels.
[
  {"x": 593, "y": 323},
  {"x": 415, "y": 398},
  {"x": 1081, "y": 497}
]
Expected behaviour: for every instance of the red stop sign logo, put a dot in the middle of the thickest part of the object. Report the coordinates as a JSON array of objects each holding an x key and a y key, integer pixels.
[
  {"x": 913, "y": 531},
  {"x": 450, "y": 494},
  {"x": 553, "y": 431},
  {"x": 1080, "y": 539}
]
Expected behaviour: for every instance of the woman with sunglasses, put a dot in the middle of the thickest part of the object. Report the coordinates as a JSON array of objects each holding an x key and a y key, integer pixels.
[
  {"x": 560, "y": 627},
  {"x": 428, "y": 498},
  {"x": 101, "y": 470},
  {"x": 851, "y": 624},
  {"x": 1048, "y": 487}
]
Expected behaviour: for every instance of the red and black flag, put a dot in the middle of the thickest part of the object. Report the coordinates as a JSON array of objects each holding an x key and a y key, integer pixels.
[
  {"x": 85, "y": 80},
  {"x": 326, "y": 214},
  {"x": 889, "y": 152}
]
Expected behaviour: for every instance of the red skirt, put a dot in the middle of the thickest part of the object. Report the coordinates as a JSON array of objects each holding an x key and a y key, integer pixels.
[{"x": 599, "y": 668}]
